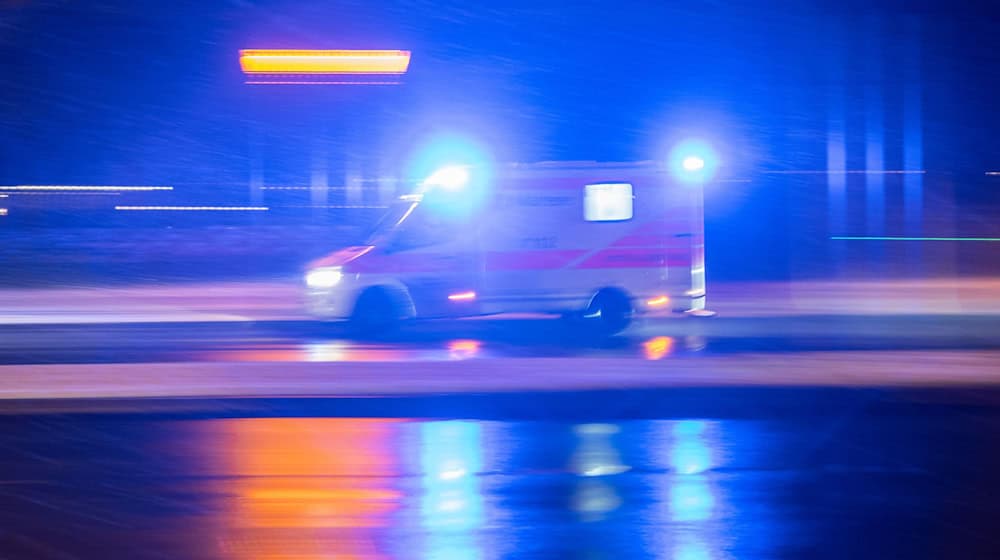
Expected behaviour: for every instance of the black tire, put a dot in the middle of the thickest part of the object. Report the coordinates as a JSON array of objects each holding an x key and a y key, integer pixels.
[
  {"x": 375, "y": 313},
  {"x": 609, "y": 313}
]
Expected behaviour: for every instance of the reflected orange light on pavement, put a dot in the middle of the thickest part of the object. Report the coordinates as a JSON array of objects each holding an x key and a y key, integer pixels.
[
  {"x": 311, "y": 352},
  {"x": 303, "y": 488},
  {"x": 459, "y": 349},
  {"x": 658, "y": 347}
]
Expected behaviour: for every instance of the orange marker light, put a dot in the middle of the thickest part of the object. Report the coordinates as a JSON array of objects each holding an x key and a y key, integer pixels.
[
  {"x": 463, "y": 296},
  {"x": 282, "y": 61},
  {"x": 658, "y": 301}
]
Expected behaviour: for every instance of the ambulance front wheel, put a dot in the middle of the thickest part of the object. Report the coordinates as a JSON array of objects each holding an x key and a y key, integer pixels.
[
  {"x": 609, "y": 313},
  {"x": 376, "y": 312}
]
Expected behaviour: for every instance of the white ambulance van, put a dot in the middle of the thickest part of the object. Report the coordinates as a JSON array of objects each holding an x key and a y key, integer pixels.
[{"x": 599, "y": 241}]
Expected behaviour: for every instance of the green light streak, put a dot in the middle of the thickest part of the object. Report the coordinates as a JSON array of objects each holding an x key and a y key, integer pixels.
[{"x": 871, "y": 238}]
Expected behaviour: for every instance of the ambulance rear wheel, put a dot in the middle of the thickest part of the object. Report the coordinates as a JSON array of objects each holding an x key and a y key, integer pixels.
[
  {"x": 376, "y": 312},
  {"x": 609, "y": 313}
]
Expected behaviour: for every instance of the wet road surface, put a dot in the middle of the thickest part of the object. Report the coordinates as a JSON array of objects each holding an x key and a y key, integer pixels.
[
  {"x": 307, "y": 341},
  {"x": 803, "y": 474},
  {"x": 800, "y": 435}
]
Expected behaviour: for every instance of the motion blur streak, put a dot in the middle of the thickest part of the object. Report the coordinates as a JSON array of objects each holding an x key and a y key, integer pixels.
[
  {"x": 658, "y": 347},
  {"x": 304, "y": 488},
  {"x": 196, "y": 208},
  {"x": 265, "y": 61},
  {"x": 82, "y": 188},
  {"x": 848, "y": 172},
  {"x": 463, "y": 296},
  {"x": 883, "y": 238},
  {"x": 316, "y": 83},
  {"x": 993, "y": 172}
]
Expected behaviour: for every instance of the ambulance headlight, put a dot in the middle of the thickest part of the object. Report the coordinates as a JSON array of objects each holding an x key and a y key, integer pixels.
[
  {"x": 325, "y": 277},
  {"x": 450, "y": 177}
]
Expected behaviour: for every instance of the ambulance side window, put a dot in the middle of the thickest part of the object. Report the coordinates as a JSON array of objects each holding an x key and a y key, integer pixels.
[
  {"x": 419, "y": 231},
  {"x": 607, "y": 202}
]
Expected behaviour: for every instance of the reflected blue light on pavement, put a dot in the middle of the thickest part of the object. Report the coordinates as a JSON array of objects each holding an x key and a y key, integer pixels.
[
  {"x": 452, "y": 547},
  {"x": 690, "y": 452},
  {"x": 450, "y": 458},
  {"x": 690, "y": 493},
  {"x": 691, "y": 499},
  {"x": 692, "y": 549},
  {"x": 688, "y": 428}
]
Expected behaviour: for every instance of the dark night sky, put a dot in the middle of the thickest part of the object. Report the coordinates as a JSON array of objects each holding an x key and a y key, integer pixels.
[{"x": 126, "y": 91}]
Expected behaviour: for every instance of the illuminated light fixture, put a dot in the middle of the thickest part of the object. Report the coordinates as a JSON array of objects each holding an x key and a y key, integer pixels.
[
  {"x": 693, "y": 163},
  {"x": 315, "y": 83},
  {"x": 196, "y": 208},
  {"x": 82, "y": 188},
  {"x": 659, "y": 301},
  {"x": 3, "y": 211},
  {"x": 993, "y": 172},
  {"x": 450, "y": 177},
  {"x": 462, "y": 296},
  {"x": 326, "y": 277},
  {"x": 283, "y": 61}
]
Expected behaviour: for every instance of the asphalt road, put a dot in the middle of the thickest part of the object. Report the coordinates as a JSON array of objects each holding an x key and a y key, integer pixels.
[
  {"x": 800, "y": 473},
  {"x": 824, "y": 433}
]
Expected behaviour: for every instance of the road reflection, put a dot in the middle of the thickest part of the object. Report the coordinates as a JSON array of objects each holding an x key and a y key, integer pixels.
[
  {"x": 303, "y": 488},
  {"x": 367, "y": 488}
]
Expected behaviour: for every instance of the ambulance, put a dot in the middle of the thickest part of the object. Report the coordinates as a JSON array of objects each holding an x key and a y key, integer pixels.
[{"x": 601, "y": 243}]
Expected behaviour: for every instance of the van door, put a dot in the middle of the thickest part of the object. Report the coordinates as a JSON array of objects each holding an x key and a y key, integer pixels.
[{"x": 439, "y": 262}]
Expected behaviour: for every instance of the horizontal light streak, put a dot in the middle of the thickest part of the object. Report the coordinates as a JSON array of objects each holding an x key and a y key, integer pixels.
[
  {"x": 196, "y": 208},
  {"x": 876, "y": 238},
  {"x": 288, "y": 61},
  {"x": 335, "y": 206},
  {"x": 82, "y": 188},
  {"x": 303, "y": 188},
  {"x": 315, "y": 83},
  {"x": 848, "y": 172},
  {"x": 48, "y": 193},
  {"x": 463, "y": 296}
]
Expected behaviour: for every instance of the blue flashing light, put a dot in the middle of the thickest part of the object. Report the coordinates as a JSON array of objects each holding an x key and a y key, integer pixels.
[
  {"x": 693, "y": 161},
  {"x": 449, "y": 177},
  {"x": 454, "y": 174}
]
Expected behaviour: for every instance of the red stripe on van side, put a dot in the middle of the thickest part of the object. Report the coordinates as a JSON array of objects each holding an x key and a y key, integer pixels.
[
  {"x": 637, "y": 258},
  {"x": 543, "y": 259}
]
